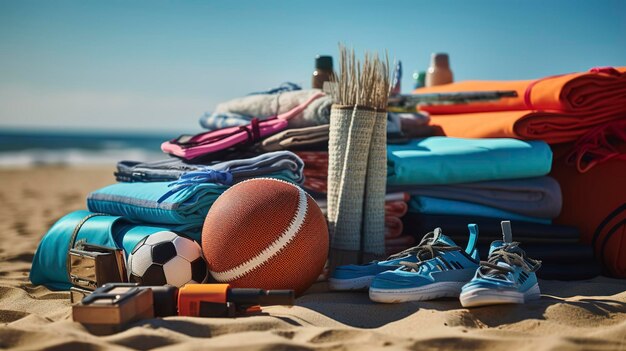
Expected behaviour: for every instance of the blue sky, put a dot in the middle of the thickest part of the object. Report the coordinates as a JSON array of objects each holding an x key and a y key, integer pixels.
[{"x": 158, "y": 65}]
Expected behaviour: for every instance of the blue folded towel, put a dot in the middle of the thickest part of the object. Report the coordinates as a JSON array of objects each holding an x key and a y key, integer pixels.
[
  {"x": 183, "y": 203},
  {"x": 177, "y": 203},
  {"x": 442, "y": 160},
  {"x": 433, "y": 205}
]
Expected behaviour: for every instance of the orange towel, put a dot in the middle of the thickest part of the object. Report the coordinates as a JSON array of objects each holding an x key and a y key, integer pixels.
[
  {"x": 555, "y": 109},
  {"x": 600, "y": 89},
  {"x": 552, "y": 127}
]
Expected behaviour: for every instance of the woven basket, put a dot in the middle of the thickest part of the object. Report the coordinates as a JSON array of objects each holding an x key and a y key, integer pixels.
[
  {"x": 375, "y": 188},
  {"x": 338, "y": 137},
  {"x": 349, "y": 146}
]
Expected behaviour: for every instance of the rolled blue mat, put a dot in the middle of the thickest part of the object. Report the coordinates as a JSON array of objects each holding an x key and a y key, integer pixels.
[
  {"x": 49, "y": 266},
  {"x": 442, "y": 160}
]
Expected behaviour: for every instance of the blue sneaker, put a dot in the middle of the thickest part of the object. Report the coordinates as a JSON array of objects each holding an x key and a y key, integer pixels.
[
  {"x": 359, "y": 277},
  {"x": 507, "y": 277},
  {"x": 440, "y": 270}
]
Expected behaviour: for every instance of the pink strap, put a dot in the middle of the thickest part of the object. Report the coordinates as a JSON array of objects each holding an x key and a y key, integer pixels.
[
  {"x": 217, "y": 140},
  {"x": 606, "y": 70},
  {"x": 254, "y": 133},
  {"x": 267, "y": 127},
  {"x": 527, "y": 100}
]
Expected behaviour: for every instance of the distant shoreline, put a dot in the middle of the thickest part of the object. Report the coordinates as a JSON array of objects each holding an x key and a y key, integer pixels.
[
  {"x": 23, "y": 148},
  {"x": 97, "y": 132}
]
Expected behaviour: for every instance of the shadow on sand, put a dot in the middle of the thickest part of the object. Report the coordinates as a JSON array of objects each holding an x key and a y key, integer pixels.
[{"x": 357, "y": 310}]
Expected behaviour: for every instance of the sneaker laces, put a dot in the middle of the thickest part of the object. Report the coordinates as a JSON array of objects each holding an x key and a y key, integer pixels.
[
  {"x": 512, "y": 255},
  {"x": 425, "y": 250},
  {"x": 415, "y": 249}
]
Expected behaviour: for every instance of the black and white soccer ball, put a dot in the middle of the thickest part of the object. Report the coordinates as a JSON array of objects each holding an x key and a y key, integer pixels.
[{"x": 166, "y": 258}]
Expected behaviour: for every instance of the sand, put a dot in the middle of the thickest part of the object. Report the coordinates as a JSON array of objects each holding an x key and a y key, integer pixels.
[{"x": 585, "y": 315}]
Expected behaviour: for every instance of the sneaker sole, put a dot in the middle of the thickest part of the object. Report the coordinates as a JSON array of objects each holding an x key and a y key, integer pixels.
[
  {"x": 484, "y": 297},
  {"x": 428, "y": 292},
  {"x": 359, "y": 283}
]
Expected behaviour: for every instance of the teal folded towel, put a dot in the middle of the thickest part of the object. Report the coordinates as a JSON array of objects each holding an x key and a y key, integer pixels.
[
  {"x": 433, "y": 205},
  {"x": 158, "y": 202},
  {"x": 183, "y": 203},
  {"x": 442, "y": 160},
  {"x": 49, "y": 266}
]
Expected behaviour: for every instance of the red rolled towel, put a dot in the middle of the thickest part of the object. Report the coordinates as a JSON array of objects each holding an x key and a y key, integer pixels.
[{"x": 393, "y": 227}]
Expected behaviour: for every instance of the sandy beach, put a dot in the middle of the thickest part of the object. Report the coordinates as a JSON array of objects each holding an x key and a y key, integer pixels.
[{"x": 585, "y": 315}]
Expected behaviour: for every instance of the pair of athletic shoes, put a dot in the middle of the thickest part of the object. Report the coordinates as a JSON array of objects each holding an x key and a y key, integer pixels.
[{"x": 437, "y": 267}]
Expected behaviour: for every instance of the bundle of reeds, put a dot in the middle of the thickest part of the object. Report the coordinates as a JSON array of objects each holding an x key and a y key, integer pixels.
[{"x": 358, "y": 158}]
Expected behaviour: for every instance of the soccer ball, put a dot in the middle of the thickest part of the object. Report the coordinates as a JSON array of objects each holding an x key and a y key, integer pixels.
[{"x": 166, "y": 258}]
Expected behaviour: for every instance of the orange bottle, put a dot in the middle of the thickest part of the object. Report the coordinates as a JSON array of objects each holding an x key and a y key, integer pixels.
[
  {"x": 439, "y": 71},
  {"x": 323, "y": 71}
]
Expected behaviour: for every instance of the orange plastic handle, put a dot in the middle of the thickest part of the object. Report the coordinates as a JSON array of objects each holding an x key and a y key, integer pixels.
[{"x": 190, "y": 296}]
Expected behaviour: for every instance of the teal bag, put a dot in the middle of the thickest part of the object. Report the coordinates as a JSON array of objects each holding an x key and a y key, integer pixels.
[
  {"x": 442, "y": 160},
  {"x": 49, "y": 266}
]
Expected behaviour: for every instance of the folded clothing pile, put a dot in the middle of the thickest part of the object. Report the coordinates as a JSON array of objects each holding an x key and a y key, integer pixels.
[
  {"x": 241, "y": 111},
  {"x": 528, "y": 199},
  {"x": 538, "y": 197},
  {"x": 583, "y": 117},
  {"x": 179, "y": 204},
  {"x": 185, "y": 202},
  {"x": 498, "y": 178},
  {"x": 216, "y": 144},
  {"x": 555, "y": 109},
  {"x": 441, "y": 160},
  {"x": 308, "y": 138},
  {"x": 281, "y": 164},
  {"x": 311, "y": 140},
  {"x": 460, "y": 181}
]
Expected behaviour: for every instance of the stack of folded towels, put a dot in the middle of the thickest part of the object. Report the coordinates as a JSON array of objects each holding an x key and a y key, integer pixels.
[
  {"x": 582, "y": 116},
  {"x": 250, "y": 137},
  {"x": 456, "y": 181},
  {"x": 555, "y": 109}
]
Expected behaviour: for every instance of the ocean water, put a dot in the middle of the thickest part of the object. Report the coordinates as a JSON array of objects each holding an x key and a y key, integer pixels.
[{"x": 23, "y": 148}]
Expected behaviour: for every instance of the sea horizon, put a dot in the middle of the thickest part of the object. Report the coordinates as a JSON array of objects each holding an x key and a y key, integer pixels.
[{"x": 26, "y": 147}]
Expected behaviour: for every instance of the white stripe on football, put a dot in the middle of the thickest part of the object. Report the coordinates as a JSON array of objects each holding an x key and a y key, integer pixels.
[{"x": 273, "y": 249}]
